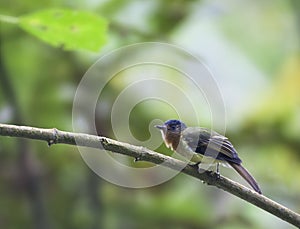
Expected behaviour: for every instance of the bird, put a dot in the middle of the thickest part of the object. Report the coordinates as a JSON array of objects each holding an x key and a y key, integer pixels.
[{"x": 199, "y": 143}]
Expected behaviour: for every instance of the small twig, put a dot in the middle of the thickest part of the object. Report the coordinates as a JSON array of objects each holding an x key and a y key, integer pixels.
[{"x": 53, "y": 136}]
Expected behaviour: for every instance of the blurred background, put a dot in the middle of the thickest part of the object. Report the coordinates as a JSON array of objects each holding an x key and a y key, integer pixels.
[{"x": 252, "y": 48}]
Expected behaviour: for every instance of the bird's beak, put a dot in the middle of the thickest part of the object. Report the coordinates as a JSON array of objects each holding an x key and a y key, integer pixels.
[{"x": 160, "y": 127}]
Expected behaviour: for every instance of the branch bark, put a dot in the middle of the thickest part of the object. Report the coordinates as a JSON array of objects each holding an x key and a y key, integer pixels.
[{"x": 55, "y": 136}]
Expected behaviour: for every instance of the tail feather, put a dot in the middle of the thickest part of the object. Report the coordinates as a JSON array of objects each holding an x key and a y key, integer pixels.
[{"x": 247, "y": 176}]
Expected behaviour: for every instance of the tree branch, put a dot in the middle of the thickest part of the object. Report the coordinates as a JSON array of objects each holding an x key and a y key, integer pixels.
[{"x": 54, "y": 136}]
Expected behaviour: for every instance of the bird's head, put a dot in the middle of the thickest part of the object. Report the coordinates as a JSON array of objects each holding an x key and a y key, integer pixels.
[
  {"x": 172, "y": 127},
  {"x": 171, "y": 132}
]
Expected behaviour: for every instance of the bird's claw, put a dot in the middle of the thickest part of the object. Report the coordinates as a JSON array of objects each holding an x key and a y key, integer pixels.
[{"x": 195, "y": 165}]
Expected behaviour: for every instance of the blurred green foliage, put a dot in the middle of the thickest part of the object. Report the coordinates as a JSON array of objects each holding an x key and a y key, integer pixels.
[
  {"x": 66, "y": 28},
  {"x": 43, "y": 187}
]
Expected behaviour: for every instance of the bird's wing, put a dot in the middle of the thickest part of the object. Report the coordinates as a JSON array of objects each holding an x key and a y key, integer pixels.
[{"x": 210, "y": 143}]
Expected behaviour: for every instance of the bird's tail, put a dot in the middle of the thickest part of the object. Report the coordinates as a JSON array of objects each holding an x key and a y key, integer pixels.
[{"x": 247, "y": 176}]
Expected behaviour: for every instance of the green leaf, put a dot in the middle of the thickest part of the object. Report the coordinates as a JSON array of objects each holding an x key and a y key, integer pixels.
[{"x": 67, "y": 28}]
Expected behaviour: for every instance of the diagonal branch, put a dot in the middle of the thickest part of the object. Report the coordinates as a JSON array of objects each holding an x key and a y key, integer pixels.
[{"x": 54, "y": 136}]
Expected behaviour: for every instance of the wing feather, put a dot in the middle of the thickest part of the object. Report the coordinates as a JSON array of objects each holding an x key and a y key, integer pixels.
[{"x": 210, "y": 143}]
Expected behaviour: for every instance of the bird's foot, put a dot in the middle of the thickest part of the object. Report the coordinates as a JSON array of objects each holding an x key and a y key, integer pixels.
[
  {"x": 214, "y": 173},
  {"x": 218, "y": 171},
  {"x": 195, "y": 165}
]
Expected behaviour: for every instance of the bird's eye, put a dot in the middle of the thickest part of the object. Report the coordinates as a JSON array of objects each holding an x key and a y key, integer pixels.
[
  {"x": 174, "y": 128},
  {"x": 171, "y": 127}
]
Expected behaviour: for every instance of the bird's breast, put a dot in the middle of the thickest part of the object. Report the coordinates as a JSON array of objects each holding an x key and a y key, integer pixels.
[{"x": 172, "y": 140}]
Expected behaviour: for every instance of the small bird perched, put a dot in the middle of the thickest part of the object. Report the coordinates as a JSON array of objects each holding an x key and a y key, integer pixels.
[{"x": 198, "y": 143}]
